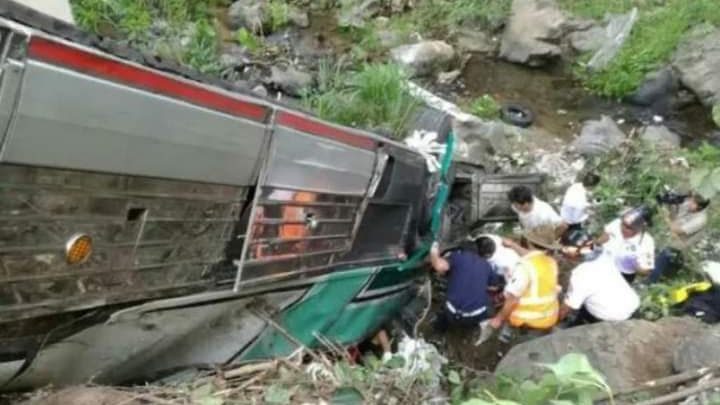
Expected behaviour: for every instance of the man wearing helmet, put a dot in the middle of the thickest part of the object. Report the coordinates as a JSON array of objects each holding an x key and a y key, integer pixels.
[
  {"x": 596, "y": 290},
  {"x": 628, "y": 243}
]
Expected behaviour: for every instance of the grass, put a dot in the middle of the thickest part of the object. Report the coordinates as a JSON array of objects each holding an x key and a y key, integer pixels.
[
  {"x": 660, "y": 28},
  {"x": 439, "y": 17},
  {"x": 374, "y": 96},
  {"x": 279, "y": 14},
  {"x": 188, "y": 36},
  {"x": 248, "y": 40},
  {"x": 485, "y": 107}
]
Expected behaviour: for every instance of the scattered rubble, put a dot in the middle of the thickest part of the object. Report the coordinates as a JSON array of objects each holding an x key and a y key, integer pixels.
[
  {"x": 598, "y": 137},
  {"x": 660, "y": 136},
  {"x": 424, "y": 58}
]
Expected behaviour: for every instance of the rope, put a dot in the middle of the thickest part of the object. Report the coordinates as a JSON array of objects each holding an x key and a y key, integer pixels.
[{"x": 426, "y": 311}]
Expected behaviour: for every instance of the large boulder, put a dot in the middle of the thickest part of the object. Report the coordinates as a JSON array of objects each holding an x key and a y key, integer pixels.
[
  {"x": 627, "y": 353},
  {"x": 660, "y": 136},
  {"x": 698, "y": 351},
  {"x": 424, "y": 58},
  {"x": 697, "y": 59},
  {"x": 598, "y": 137},
  {"x": 253, "y": 15},
  {"x": 531, "y": 36},
  {"x": 657, "y": 90},
  {"x": 589, "y": 40},
  {"x": 290, "y": 81}
]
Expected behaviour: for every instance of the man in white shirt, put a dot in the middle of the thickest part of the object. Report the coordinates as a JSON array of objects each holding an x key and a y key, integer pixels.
[
  {"x": 502, "y": 258},
  {"x": 575, "y": 205},
  {"x": 534, "y": 213},
  {"x": 597, "y": 291},
  {"x": 628, "y": 243}
]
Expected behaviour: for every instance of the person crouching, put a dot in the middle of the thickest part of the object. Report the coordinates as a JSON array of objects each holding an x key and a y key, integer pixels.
[{"x": 469, "y": 278}]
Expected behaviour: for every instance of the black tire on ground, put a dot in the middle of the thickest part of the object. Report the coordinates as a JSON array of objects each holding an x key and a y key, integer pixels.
[{"x": 517, "y": 115}]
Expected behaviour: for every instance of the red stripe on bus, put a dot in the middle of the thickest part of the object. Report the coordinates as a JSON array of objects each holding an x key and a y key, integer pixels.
[
  {"x": 314, "y": 127},
  {"x": 96, "y": 65}
]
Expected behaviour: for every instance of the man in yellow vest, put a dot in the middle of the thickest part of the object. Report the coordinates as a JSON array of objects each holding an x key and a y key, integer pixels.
[{"x": 531, "y": 292}]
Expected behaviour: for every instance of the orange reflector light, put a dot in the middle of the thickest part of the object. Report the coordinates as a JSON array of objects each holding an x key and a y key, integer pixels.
[{"x": 78, "y": 249}]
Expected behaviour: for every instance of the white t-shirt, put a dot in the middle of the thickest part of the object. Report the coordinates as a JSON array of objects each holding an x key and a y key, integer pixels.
[
  {"x": 541, "y": 214},
  {"x": 504, "y": 259},
  {"x": 631, "y": 254},
  {"x": 599, "y": 287},
  {"x": 575, "y": 204},
  {"x": 517, "y": 281}
]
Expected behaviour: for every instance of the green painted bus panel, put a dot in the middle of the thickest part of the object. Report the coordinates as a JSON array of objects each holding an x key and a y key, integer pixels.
[
  {"x": 325, "y": 301},
  {"x": 364, "y": 317}
]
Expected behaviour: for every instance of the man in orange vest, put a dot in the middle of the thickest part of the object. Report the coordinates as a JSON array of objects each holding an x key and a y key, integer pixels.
[{"x": 531, "y": 292}]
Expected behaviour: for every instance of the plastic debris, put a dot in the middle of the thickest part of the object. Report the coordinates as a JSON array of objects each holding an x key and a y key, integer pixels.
[
  {"x": 616, "y": 32},
  {"x": 421, "y": 358},
  {"x": 425, "y": 143}
]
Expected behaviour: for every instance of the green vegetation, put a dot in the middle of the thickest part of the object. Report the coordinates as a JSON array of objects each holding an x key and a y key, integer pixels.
[
  {"x": 375, "y": 96},
  {"x": 248, "y": 40},
  {"x": 571, "y": 380},
  {"x": 183, "y": 29},
  {"x": 485, "y": 106},
  {"x": 279, "y": 14},
  {"x": 660, "y": 27},
  {"x": 716, "y": 114},
  {"x": 442, "y": 16}
]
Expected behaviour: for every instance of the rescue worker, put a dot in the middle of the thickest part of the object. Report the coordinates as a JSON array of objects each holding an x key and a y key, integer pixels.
[
  {"x": 576, "y": 202},
  {"x": 531, "y": 291},
  {"x": 596, "y": 290},
  {"x": 469, "y": 277},
  {"x": 534, "y": 213},
  {"x": 629, "y": 244},
  {"x": 501, "y": 258}
]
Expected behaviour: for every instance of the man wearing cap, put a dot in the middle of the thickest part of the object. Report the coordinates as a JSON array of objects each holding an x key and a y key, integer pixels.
[
  {"x": 628, "y": 243},
  {"x": 596, "y": 291},
  {"x": 531, "y": 291}
]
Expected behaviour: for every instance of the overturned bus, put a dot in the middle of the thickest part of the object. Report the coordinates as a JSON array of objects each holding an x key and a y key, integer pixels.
[{"x": 152, "y": 220}]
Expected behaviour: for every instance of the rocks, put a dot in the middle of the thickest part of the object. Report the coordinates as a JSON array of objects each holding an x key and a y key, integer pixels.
[
  {"x": 291, "y": 81},
  {"x": 589, "y": 40},
  {"x": 252, "y": 15},
  {"x": 698, "y": 351},
  {"x": 598, "y": 137},
  {"x": 448, "y": 77},
  {"x": 474, "y": 41},
  {"x": 298, "y": 17},
  {"x": 697, "y": 59},
  {"x": 657, "y": 90},
  {"x": 356, "y": 15},
  {"x": 424, "y": 58},
  {"x": 626, "y": 353},
  {"x": 660, "y": 136},
  {"x": 532, "y": 33},
  {"x": 234, "y": 56}
]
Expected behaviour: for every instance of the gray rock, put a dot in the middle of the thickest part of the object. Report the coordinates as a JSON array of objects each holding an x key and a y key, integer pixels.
[
  {"x": 234, "y": 56},
  {"x": 291, "y": 81},
  {"x": 697, "y": 59},
  {"x": 598, "y": 137},
  {"x": 475, "y": 41},
  {"x": 448, "y": 77},
  {"x": 424, "y": 58},
  {"x": 589, "y": 40},
  {"x": 658, "y": 88},
  {"x": 532, "y": 33},
  {"x": 260, "y": 90},
  {"x": 698, "y": 351},
  {"x": 356, "y": 15},
  {"x": 660, "y": 136},
  {"x": 298, "y": 17},
  {"x": 627, "y": 353},
  {"x": 253, "y": 15}
]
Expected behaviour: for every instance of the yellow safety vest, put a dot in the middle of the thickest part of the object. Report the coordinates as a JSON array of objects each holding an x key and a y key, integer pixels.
[{"x": 538, "y": 307}]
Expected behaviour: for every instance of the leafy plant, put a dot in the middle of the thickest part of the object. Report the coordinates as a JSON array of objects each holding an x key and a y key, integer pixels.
[
  {"x": 279, "y": 14},
  {"x": 202, "y": 51},
  {"x": 572, "y": 380},
  {"x": 248, "y": 40},
  {"x": 485, "y": 106}
]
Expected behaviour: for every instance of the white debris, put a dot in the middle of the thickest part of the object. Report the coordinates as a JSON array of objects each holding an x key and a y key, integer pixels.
[
  {"x": 712, "y": 269},
  {"x": 425, "y": 143},
  {"x": 658, "y": 119},
  {"x": 421, "y": 358}
]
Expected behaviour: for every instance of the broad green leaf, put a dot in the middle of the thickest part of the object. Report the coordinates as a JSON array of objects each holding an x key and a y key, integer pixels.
[
  {"x": 562, "y": 402},
  {"x": 346, "y": 396},
  {"x": 395, "y": 362},
  {"x": 454, "y": 377},
  {"x": 276, "y": 394},
  {"x": 569, "y": 365}
]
